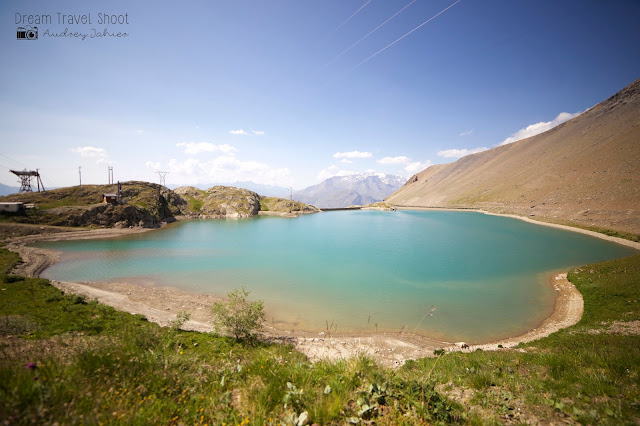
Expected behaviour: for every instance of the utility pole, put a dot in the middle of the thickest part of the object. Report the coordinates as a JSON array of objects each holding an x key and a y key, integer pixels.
[
  {"x": 80, "y": 174},
  {"x": 110, "y": 175},
  {"x": 291, "y": 193},
  {"x": 162, "y": 177}
]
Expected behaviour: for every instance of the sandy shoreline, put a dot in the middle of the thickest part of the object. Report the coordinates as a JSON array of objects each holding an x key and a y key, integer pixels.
[
  {"x": 161, "y": 304},
  {"x": 618, "y": 240}
]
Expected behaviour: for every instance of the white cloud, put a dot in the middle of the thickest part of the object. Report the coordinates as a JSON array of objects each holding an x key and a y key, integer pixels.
[
  {"x": 90, "y": 151},
  {"x": 241, "y": 132},
  {"x": 410, "y": 167},
  {"x": 100, "y": 154},
  {"x": 153, "y": 166},
  {"x": 395, "y": 160},
  {"x": 352, "y": 154},
  {"x": 457, "y": 153},
  {"x": 467, "y": 133},
  {"x": 537, "y": 128},
  {"x": 417, "y": 166},
  {"x": 198, "y": 147},
  {"x": 226, "y": 168},
  {"x": 332, "y": 171},
  {"x": 345, "y": 161}
]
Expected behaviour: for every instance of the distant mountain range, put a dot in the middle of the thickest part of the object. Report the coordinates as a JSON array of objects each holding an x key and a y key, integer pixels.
[
  {"x": 585, "y": 171},
  {"x": 345, "y": 191},
  {"x": 6, "y": 189}
]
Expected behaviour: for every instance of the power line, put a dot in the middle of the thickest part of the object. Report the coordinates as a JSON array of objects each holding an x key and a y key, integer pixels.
[
  {"x": 17, "y": 162},
  {"x": 51, "y": 184}
]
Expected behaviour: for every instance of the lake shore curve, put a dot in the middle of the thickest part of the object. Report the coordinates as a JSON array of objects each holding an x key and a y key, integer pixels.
[{"x": 161, "y": 304}]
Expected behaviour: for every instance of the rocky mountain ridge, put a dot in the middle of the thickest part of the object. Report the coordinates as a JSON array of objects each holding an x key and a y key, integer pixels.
[{"x": 345, "y": 191}]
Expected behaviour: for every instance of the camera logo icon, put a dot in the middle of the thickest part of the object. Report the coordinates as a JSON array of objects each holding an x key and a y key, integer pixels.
[{"x": 27, "y": 33}]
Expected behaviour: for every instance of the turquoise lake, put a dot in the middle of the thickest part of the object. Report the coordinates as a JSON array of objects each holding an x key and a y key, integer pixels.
[{"x": 448, "y": 275}]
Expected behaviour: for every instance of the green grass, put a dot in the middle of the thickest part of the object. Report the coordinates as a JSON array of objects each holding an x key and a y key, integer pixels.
[
  {"x": 63, "y": 359},
  {"x": 265, "y": 203},
  {"x": 105, "y": 366},
  {"x": 584, "y": 372},
  {"x": 194, "y": 204},
  {"x": 610, "y": 290}
]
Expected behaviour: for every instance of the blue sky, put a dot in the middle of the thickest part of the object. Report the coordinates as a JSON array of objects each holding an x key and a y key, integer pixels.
[{"x": 289, "y": 92}]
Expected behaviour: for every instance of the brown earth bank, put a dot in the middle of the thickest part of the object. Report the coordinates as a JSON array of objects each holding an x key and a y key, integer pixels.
[
  {"x": 162, "y": 304},
  {"x": 585, "y": 172}
]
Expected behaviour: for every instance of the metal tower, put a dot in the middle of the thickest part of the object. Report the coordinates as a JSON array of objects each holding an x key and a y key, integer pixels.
[
  {"x": 162, "y": 176},
  {"x": 25, "y": 180}
]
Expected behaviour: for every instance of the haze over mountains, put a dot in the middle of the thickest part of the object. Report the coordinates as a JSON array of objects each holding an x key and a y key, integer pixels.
[
  {"x": 345, "y": 191},
  {"x": 585, "y": 171},
  {"x": 6, "y": 189}
]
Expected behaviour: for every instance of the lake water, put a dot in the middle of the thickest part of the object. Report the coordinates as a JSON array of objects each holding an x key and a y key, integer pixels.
[{"x": 449, "y": 275}]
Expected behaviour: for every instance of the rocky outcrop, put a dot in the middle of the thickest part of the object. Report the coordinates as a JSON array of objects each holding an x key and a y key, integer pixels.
[
  {"x": 220, "y": 202},
  {"x": 282, "y": 205},
  {"x": 231, "y": 202},
  {"x": 227, "y": 201},
  {"x": 142, "y": 204},
  {"x": 103, "y": 215}
]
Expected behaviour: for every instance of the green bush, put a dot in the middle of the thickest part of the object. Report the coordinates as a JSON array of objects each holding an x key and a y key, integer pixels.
[{"x": 238, "y": 316}]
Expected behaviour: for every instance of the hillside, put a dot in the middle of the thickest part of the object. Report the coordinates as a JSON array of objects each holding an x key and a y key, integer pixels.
[
  {"x": 231, "y": 202},
  {"x": 345, "y": 191},
  {"x": 144, "y": 204},
  {"x": 584, "y": 172}
]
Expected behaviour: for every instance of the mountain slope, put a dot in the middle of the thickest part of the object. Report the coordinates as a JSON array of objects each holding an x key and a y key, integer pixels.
[
  {"x": 344, "y": 191},
  {"x": 585, "y": 171},
  {"x": 143, "y": 204}
]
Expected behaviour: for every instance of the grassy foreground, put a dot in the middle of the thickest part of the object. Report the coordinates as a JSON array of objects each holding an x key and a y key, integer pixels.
[{"x": 66, "y": 360}]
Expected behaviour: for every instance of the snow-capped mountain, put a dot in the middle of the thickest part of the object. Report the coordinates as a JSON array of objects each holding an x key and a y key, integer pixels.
[{"x": 344, "y": 191}]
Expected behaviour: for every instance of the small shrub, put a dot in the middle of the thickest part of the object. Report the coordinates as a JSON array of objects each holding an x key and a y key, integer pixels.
[
  {"x": 238, "y": 316},
  {"x": 181, "y": 318}
]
